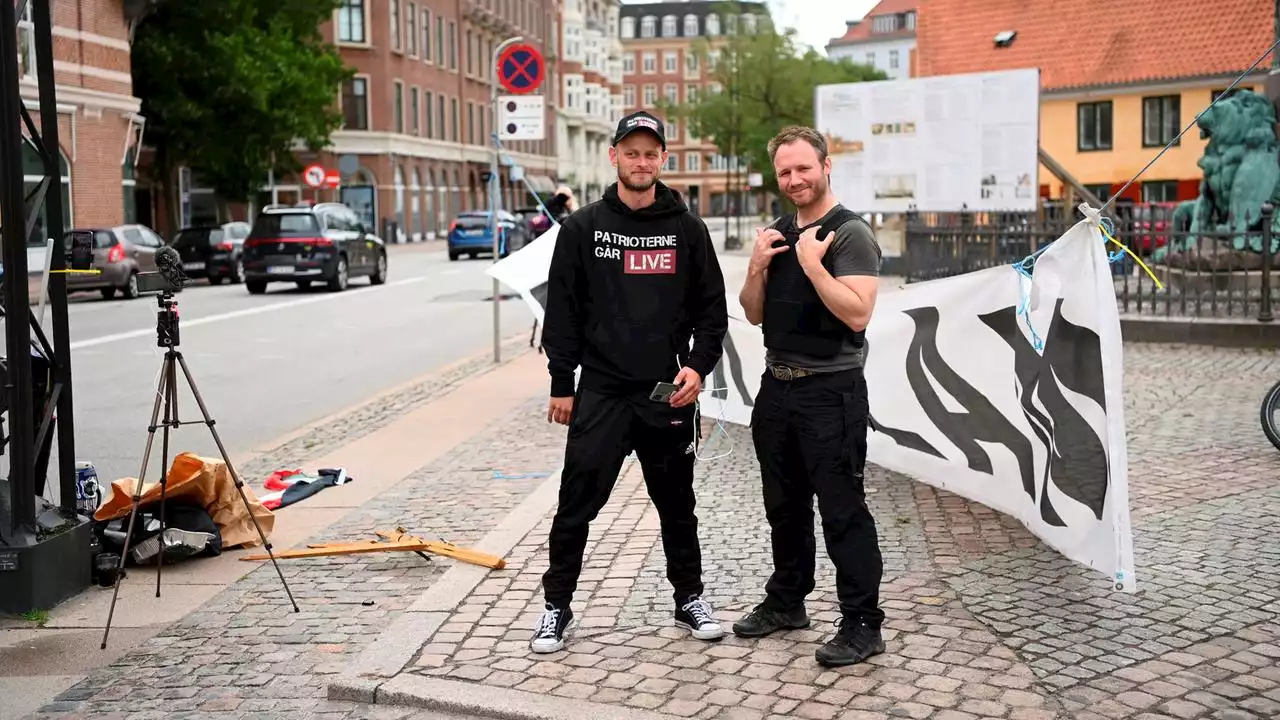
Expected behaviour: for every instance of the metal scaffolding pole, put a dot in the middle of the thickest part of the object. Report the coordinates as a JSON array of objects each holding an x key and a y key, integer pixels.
[{"x": 18, "y": 216}]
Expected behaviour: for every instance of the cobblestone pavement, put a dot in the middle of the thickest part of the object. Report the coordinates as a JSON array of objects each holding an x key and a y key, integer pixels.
[
  {"x": 245, "y": 654},
  {"x": 983, "y": 620}
]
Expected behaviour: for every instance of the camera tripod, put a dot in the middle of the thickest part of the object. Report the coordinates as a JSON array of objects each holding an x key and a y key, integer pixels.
[{"x": 167, "y": 394}]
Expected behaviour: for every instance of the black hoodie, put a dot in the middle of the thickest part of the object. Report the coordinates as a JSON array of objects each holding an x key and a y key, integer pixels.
[{"x": 626, "y": 291}]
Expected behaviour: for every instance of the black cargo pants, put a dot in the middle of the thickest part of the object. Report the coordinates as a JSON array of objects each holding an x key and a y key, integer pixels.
[
  {"x": 810, "y": 437},
  {"x": 603, "y": 431}
]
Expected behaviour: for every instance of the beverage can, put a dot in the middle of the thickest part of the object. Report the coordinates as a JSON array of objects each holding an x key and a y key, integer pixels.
[{"x": 88, "y": 492}]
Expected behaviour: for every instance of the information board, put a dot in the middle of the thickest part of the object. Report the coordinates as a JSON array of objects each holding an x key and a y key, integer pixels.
[{"x": 941, "y": 144}]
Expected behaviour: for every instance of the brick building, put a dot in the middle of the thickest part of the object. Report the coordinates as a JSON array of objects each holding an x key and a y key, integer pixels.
[
  {"x": 660, "y": 59},
  {"x": 416, "y": 117},
  {"x": 98, "y": 124}
]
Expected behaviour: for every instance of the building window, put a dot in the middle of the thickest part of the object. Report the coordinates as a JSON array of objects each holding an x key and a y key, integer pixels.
[
  {"x": 690, "y": 25},
  {"x": 426, "y": 36},
  {"x": 749, "y": 23},
  {"x": 399, "y": 107},
  {"x": 471, "y": 124},
  {"x": 670, "y": 62},
  {"x": 672, "y": 92},
  {"x": 669, "y": 26},
  {"x": 1161, "y": 117},
  {"x": 650, "y": 95},
  {"x": 355, "y": 104},
  {"x": 453, "y": 45},
  {"x": 713, "y": 24},
  {"x": 411, "y": 28},
  {"x": 395, "y": 25},
  {"x": 1101, "y": 191},
  {"x": 648, "y": 26},
  {"x": 1160, "y": 191},
  {"x": 629, "y": 96},
  {"x": 453, "y": 124},
  {"x": 440, "y": 41},
  {"x": 350, "y": 21},
  {"x": 911, "y": 20},
  {"x": 691, "y": 93},
  {"x": 650, "y": 63},
  {"x": 471, "y": 69},
  {"x": 690, "y": 64},
  {"x": 628, "y": 27},
  {"x": 428, "y": 113},
  {"x": 693, "y": 162},
  {"x": 673, "y": 132},
  {"x": 32, "y": 176},
  {"x": 893, "y": 59},
  {"x": 1093, "y": 126},
  {"x": 673, "y": 163},
  {"x": 629, "y": 64},
  {"x": 441, "y": 125},
  {"x": 415, "y": 123},
  {"x": 884, "y": 24}
]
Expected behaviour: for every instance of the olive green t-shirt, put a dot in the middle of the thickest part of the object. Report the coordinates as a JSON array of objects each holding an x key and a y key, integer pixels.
[{"x": 853, "y": 252}]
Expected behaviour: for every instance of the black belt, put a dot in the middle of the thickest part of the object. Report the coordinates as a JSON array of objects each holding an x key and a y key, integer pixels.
[{"x": 788, "y": 373}]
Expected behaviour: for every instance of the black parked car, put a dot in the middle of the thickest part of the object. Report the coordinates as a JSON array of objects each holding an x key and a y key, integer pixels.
[
  {"x": 213, "y": 251},
  {"x": 326, "y": 242}
]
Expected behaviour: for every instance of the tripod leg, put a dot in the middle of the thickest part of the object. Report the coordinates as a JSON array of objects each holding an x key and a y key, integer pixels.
[
  {"x": 226, "y": 458},
  {"x": 170, "y": 421},
  {"x": 137, "y": 497}
]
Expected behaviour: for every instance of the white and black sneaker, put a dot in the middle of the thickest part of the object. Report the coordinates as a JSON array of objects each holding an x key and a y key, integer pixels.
[
  {"x": 697, "y": 616},
  {"x": 548, "y": 637}
]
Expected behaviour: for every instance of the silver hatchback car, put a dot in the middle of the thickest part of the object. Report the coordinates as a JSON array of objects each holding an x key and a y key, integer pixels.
[{"x": 120, "y": 253}]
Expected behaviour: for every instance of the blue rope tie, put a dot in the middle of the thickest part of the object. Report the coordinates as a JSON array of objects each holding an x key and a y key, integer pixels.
[{"x": 1026, "y": 266}]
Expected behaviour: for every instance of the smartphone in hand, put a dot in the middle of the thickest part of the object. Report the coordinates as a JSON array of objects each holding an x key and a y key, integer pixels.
[{"x": 663, "y": 391}]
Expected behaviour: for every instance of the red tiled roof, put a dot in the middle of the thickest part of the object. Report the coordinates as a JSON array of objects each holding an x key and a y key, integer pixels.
[
  {"x": 862, "y": 31},
  {"x": 1084, "y": 43}
]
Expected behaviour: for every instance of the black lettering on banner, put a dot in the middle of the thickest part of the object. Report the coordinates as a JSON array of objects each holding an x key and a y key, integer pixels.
[
  {"x": 1072, "y": 359},
  {"x": 1076, "y": 456}
]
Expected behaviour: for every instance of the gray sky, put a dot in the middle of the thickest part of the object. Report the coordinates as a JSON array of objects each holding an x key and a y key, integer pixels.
[{"x": 816, "y": 26}]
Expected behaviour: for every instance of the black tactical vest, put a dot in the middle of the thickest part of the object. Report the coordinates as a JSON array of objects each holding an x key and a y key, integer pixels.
[{"x": 795, "y": 318}]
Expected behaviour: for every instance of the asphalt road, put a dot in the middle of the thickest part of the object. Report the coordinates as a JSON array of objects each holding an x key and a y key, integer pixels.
[{"x": 268, "y": 364}]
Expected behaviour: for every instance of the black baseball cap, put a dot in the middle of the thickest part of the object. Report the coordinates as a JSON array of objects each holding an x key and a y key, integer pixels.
[{"x": 638, "y": 121}]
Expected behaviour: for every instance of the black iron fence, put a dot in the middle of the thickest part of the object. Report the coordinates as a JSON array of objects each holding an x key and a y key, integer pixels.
[{"x": 1206, "y": 274}]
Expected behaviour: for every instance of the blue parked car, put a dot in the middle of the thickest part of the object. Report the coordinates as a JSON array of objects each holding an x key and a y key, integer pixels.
[{"x": 469, "y": 234}]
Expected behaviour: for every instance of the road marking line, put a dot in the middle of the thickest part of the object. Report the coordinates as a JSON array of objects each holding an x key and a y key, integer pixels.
[{"x": 116, "y": 337}]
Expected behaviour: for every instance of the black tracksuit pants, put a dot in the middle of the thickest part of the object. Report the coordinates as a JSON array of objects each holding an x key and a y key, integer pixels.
[
  {"x": 603, "y": 430},
  {"x": 810, "y": 437}
]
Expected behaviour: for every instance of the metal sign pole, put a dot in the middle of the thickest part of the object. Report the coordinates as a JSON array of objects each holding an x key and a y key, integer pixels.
[{"x": 493, "y": 191}]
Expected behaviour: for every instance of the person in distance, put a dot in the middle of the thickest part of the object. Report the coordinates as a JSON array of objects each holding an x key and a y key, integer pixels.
[
  {"x": 634, "y": 278},
  {"x": 812, "y": 283}
]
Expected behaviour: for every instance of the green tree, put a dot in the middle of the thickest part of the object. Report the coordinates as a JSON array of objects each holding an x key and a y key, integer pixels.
[
  {"x": 229, "y": 87},
  {"x": 766, "y": 83}
]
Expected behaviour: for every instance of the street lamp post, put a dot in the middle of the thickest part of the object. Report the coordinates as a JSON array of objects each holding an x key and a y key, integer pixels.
[{"x": 493, "y": 189}]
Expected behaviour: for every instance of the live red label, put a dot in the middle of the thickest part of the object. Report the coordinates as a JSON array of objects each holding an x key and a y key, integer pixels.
[{"x": 649, "y": 262}]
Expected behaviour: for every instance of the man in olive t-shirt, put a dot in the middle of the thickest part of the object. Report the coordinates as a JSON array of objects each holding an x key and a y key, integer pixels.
[{"x": 809, "y": 421}]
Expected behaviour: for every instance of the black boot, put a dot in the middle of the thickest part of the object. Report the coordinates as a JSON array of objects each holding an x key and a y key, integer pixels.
[
  {"x": 765, "y": 620},
  {"x": 853, "y": 643}
]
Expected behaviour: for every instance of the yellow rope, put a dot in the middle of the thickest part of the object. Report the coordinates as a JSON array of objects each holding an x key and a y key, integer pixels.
[{"x": 1137, "y": 259}]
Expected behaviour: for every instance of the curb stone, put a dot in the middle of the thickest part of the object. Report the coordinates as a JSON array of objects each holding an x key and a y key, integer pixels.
[
  {"x": 396, "y": 647},
  {"x": 508, "y": 704}
]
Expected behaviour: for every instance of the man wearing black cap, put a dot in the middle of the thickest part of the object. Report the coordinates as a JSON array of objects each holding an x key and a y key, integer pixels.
[{"x": 633, "y": 279}]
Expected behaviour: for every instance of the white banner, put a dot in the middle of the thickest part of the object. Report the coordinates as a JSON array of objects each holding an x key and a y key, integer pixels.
[
  {"x": 525, "y": 270},
  {"x": 965, "y": 396}
]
